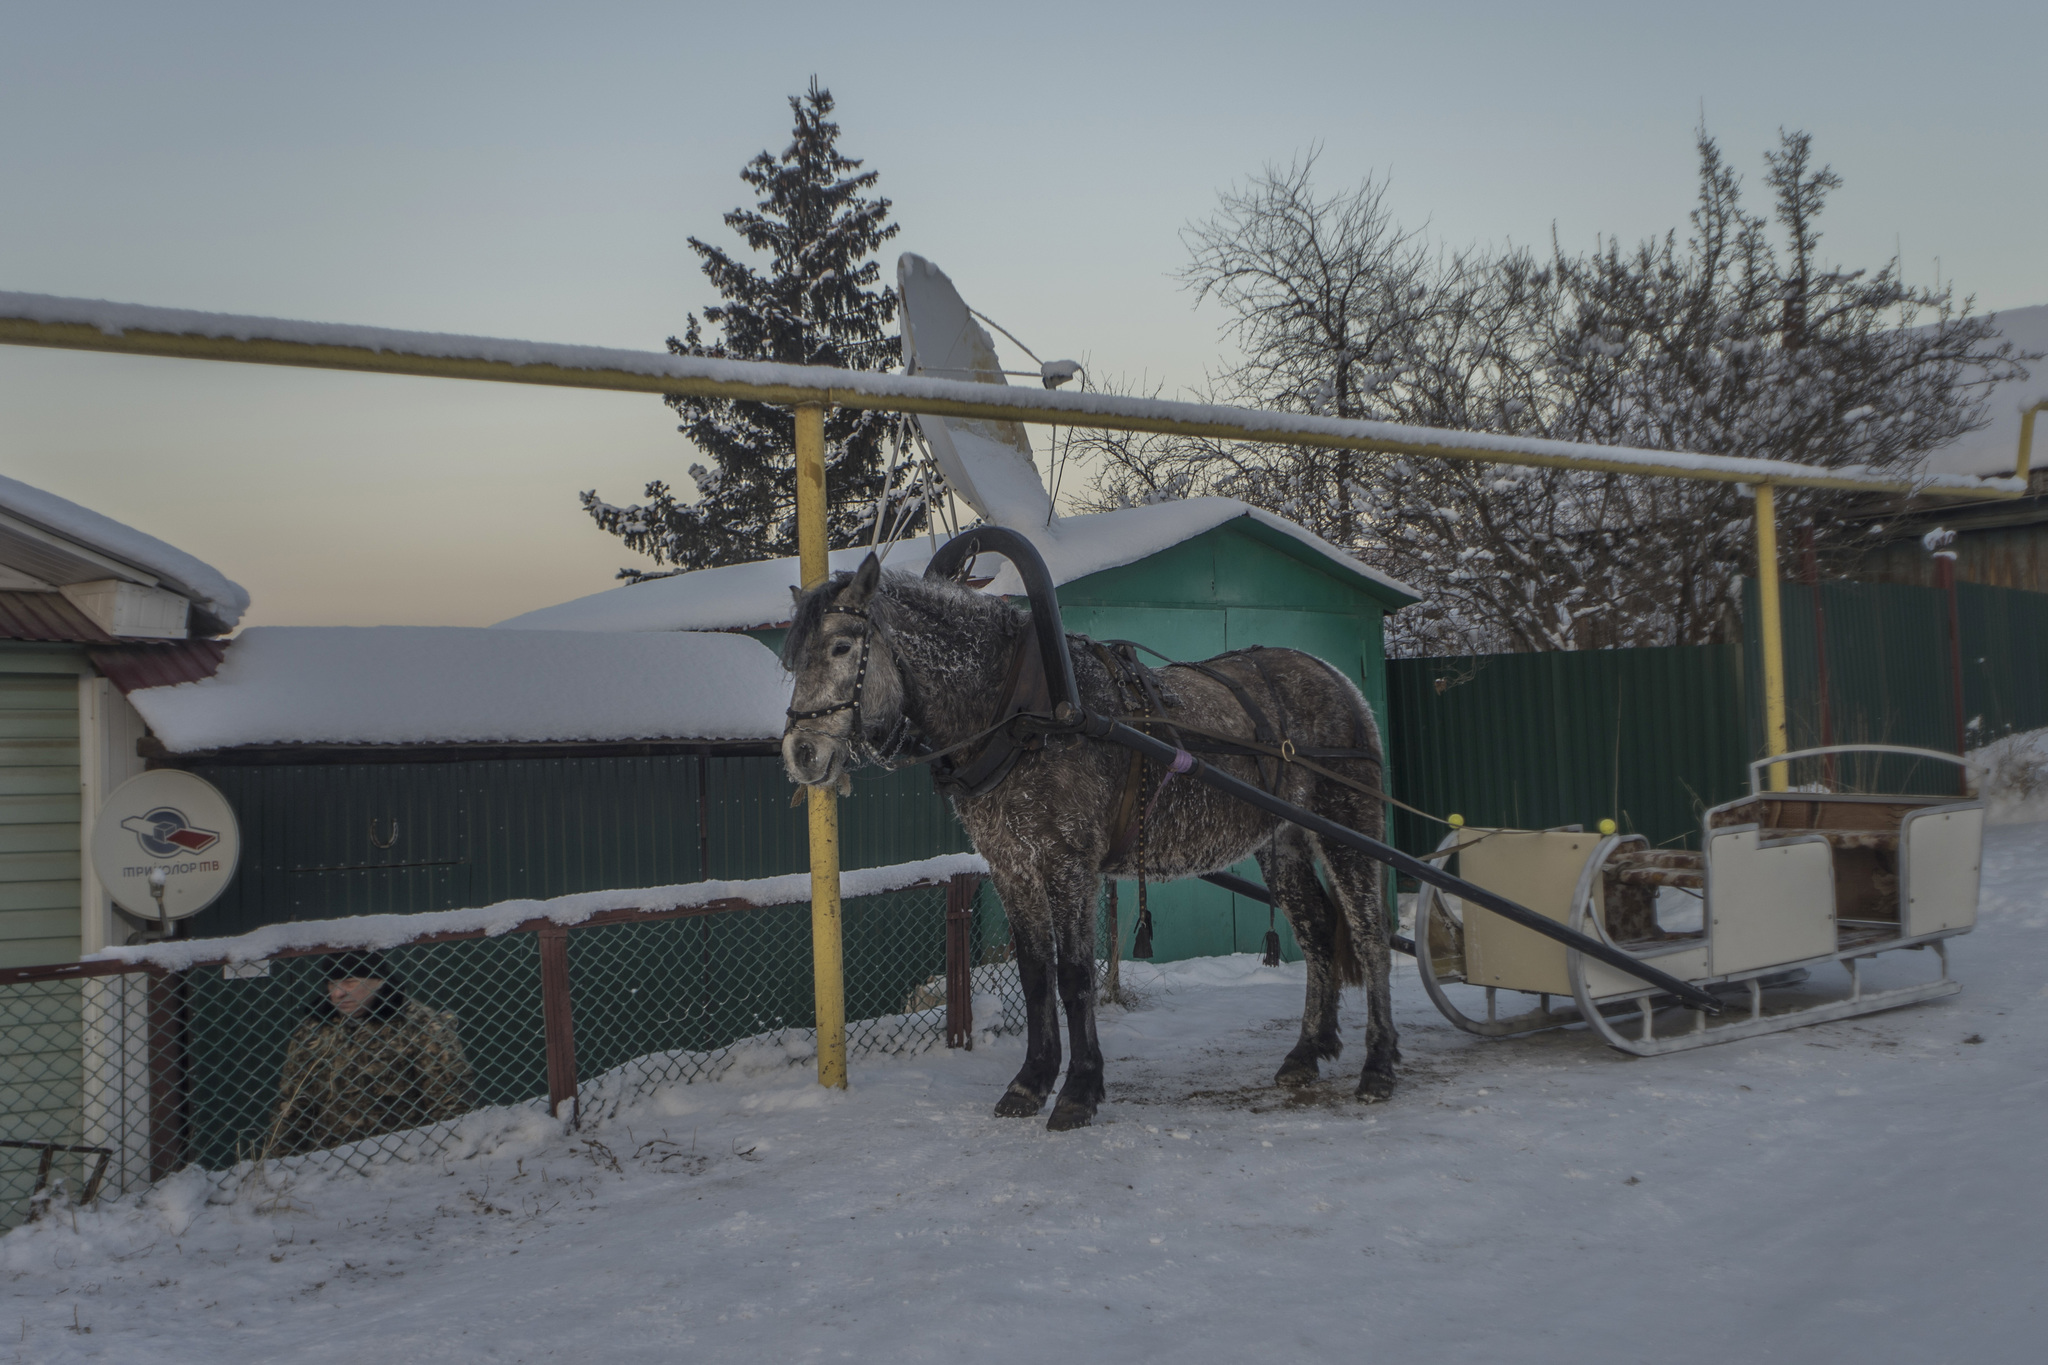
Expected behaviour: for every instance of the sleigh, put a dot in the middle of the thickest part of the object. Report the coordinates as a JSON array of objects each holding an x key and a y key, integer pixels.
[{"x": 1794, "y": 894}]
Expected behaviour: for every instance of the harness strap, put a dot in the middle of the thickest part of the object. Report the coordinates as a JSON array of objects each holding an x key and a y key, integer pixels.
[
  {"x": 1027, "y": 691},
  {"x": 1262, "y": 728},
  {"x": 1123, "y": 830},
  {"x": 1286, "y": 752},
  {"x": 860, "y": 674}
]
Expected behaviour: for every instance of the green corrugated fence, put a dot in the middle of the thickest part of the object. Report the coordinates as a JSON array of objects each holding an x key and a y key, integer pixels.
[
  {"x": 1651, "y": 737},
  {"x": 1889, "y": 673},
  {"x": 1646, "y": 737},
  {"x": 322, "y": 840}
]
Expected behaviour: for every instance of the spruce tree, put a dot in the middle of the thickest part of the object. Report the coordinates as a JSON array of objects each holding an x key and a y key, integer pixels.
[{"x": 816, "y": 304}]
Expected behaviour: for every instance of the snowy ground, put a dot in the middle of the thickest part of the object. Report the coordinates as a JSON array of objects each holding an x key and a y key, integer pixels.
[{"x": 1869, "y": 1191}]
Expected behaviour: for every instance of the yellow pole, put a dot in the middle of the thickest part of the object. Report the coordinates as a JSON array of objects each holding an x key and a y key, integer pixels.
[
  {"x": 827, "y": 964},
  {"x": 2026, "y": 451},
  {"x": 1772, "y": 629}
]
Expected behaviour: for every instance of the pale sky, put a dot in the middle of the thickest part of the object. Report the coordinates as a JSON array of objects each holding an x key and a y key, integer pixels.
[{"x": 533, "y": 170}]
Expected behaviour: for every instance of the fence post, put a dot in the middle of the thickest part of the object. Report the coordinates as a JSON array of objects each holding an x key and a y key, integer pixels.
[
  {"x": 961, "y": 890},
  {"x": 166, "y": 1050},
  {"x": 556, "y": 1023},
  {"x": 1945, "y": 579},
  {"x": 1771, "y": 630}
]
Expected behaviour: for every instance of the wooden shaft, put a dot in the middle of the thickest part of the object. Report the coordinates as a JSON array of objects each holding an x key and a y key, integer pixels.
[
  {"x": 1772, "y": 630},
  {"x": 1159, "y": 751},
  {"x": 828, "y": 973}
]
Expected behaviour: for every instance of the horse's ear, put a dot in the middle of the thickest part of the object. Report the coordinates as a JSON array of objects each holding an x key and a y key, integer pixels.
[
  {"x": 863, "y": 585},
  {"x": 796, "y": 595}
]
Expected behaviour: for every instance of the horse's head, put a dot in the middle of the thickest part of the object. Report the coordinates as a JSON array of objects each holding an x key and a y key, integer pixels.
[{"x": 848, "y": 701}]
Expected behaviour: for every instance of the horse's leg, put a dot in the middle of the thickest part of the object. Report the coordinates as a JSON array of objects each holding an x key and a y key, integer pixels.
[
  {"x": 1357, "y": 881},
  {"x": 1289, "y": 870},
  {"x": 1072, "y": 898},
  {"x": 1031, "y": 935}
]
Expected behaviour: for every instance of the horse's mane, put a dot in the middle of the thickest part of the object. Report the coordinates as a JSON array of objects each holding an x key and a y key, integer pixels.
[
  {"x": 930, "y": 598},
  {"x": 810, "y": 610}
]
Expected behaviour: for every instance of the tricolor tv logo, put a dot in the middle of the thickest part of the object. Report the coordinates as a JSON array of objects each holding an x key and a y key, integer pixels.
[{"x": 166, "y": 833}]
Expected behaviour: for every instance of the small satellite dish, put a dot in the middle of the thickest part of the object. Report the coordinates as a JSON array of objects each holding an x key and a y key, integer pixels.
[
  {"x": 165, "y": 844},
  {"x": 988, "y": 464}
]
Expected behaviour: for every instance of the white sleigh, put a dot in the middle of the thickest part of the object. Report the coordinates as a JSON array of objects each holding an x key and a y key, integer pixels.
[{"x": 1790, "y": 882}]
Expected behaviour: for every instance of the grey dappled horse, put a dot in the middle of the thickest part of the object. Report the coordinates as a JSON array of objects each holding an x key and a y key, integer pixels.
[{"x": 890, "y": 664}]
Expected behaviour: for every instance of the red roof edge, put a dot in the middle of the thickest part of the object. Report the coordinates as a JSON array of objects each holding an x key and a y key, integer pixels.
[
  {"x": 165, "y": 663},
  {"x": 46, "y": 616}
]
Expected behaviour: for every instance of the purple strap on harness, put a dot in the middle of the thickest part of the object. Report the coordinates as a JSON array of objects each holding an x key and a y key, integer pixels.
[{"x": 1183, "y": 762}]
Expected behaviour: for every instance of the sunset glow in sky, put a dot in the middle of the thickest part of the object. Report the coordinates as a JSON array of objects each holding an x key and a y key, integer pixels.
[{"x": 533, "y": 171}]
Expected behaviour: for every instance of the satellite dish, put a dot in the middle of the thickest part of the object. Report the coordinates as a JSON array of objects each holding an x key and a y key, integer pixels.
[
  {"x": 988, "y": 464},
  {"x": 165, "y": 844}
]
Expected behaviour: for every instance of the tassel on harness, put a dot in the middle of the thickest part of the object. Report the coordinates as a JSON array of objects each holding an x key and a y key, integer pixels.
[{"x": 1141, "y": 942}]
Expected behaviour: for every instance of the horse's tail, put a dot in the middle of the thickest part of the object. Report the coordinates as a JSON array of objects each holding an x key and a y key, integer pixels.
[
  {"x": 1366, "y": 735},
  {"x": 1343, "y": 952}
]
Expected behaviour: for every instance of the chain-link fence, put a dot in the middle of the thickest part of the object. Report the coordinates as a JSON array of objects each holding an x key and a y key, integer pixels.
[{"x": 119, "y": 1074}]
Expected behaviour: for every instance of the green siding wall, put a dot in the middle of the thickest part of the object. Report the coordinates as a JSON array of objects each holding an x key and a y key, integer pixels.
[
  {"x": 39, "y": 797},
  {"x": 40, "y": 1058}
]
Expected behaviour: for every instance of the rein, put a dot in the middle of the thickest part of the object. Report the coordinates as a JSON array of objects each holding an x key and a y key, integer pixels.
[
  {"x": 1286, "y": 751},
  {"x": 965, "y": 777}
]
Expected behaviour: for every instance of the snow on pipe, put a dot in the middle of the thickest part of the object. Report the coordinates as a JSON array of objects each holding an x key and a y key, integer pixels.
[{"x": 99, "y": 325}]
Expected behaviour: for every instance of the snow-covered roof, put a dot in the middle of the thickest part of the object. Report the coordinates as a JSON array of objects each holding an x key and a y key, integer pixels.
[
  {"x": 460, "y": 685},
  {"x": 150, "y": 561},
  {"x": 745, "y": 595},
  {"x": 1991, "y": 450}
]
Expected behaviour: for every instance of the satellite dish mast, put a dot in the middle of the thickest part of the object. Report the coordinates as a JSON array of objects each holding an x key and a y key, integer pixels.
[
  {"x": 987, "y": 463},
  {"x": 165, "y": 845}
]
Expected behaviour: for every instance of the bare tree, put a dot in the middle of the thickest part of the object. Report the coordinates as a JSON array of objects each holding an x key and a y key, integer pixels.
[
  {"x": 1324, "y": 297},
  {"x": 1724, "y": 342}
]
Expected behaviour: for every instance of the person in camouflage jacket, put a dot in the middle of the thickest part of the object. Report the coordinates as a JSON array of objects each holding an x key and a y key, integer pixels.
[{"x": 366, "y": 1061}]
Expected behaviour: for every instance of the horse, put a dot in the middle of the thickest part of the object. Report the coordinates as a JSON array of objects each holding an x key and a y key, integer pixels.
[{"x": 893, "y": 668}]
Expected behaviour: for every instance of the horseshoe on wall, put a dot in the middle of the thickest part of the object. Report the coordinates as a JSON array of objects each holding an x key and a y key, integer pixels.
[{"x": 387, "y": 841}]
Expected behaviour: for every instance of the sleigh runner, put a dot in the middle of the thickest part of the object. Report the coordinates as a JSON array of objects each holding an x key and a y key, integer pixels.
[{"x": 1791, "y": 885}]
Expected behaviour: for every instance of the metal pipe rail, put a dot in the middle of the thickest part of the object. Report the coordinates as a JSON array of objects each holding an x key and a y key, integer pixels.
[{"x": 133, "y": 329}]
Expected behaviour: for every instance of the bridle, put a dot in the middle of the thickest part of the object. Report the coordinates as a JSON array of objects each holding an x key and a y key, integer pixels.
[{"x": 857, "y": 735}]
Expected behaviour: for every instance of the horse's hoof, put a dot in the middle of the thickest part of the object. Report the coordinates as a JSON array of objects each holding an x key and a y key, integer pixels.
[
  {"x": 1375, "y": 1086},
  {"x": 1016, "y": 1104},
  {"x": 1068, "y": 1115},
  {"x": 1297, "y": 1072}
]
